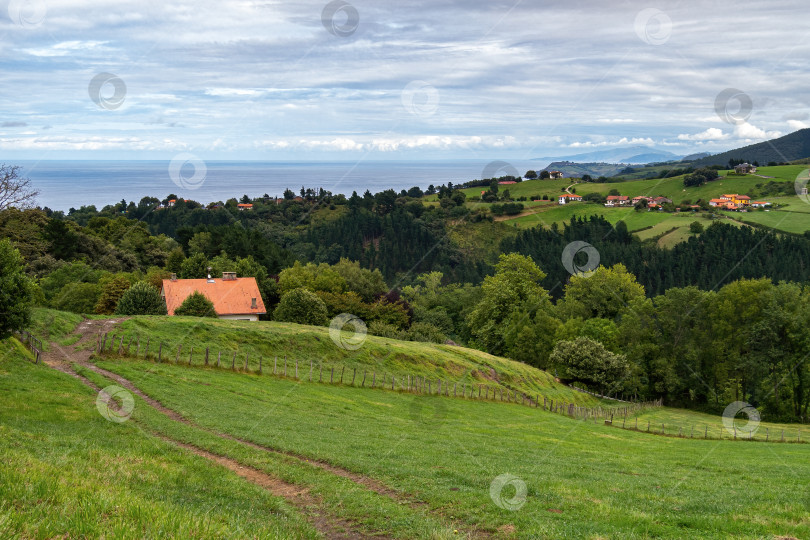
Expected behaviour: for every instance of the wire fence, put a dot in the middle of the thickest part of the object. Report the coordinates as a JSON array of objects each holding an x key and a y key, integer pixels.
[
  {"x": 155, "y": 350},
  {"x": 33, "y": 343}
]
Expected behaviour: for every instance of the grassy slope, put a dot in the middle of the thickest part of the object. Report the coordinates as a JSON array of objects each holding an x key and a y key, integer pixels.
[
  {"x": 67, "y": 471},
  {"x": 686, "y": 420},
  {"x": 583, "y": 480},
  {"x": 313, "y": 344}
]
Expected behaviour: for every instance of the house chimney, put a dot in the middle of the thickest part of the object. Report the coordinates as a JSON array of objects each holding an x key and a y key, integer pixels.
[
  {"x": 210, "y": 280},
  {"x": 174, "y": 277},
  {"x": 228, "y": 276},
  {"x": 253, "y": 304}
]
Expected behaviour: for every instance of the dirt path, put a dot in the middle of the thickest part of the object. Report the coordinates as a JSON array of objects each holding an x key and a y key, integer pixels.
[{"x": 62, "y": 358}]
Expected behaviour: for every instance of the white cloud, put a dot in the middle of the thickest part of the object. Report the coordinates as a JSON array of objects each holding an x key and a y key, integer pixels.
[
  {"x": 711, "y": 134},
  {"x": 752, "y": 133}
]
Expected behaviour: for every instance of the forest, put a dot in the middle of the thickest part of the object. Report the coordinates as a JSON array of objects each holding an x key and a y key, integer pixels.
[{"x": 717, "y": 318}]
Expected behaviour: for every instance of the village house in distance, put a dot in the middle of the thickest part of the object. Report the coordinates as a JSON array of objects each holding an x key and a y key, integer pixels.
[{"x": 233, "y": 298}]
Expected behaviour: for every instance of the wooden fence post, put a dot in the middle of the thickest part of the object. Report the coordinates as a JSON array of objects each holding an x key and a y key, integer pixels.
[
  {"x": 177, "y": 358},
  {"x": 190, "y": 354},
  {"x": 138, "y": 347},
  {"x": 354, "y": 374},
  {"x": 341, "y": 374},
  {"x": 364, "y": 379},
  {"x": 219, "y": 358},
  {"x": 160, "y": 352},
  {"x": 260, "y": 364},
  {"x": 332, "y": 376},
  {"x": 206, "y": 356},
  {"x": 233, "y": 362},
  {"x": 146, "y": 354},
  {"x": 285, "y": 365}
]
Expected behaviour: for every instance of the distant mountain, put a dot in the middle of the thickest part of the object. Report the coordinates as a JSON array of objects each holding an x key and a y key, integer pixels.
[
  {"x": 630, "y": 154},
  {"x": 571, "y": 169},
  {"x": 788, "y": 148},
  {"x": 693, "y": 157}
]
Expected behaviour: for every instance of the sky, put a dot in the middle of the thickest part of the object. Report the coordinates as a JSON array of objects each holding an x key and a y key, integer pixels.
[{"x": 362, "y": 79}]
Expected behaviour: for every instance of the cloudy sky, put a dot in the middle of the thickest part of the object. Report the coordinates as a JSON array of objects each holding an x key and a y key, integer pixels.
[{"x": 396, "y": 80}]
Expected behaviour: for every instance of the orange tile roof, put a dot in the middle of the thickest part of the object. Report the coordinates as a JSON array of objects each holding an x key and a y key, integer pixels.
[{"x": 230, "y": 297}]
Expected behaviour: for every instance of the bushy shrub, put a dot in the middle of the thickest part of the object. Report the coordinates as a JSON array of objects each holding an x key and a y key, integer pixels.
[
  {"x": 196, "y": 305},
  {"x": 301, "y": 306},
  {"x": 141, "y": 299}
]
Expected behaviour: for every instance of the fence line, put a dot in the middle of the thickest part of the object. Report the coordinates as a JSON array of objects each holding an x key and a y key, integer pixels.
[
  {"x": 618, "y": 417},
  {"x": 33, "y": 343},
  {"x": 362, "y": 378}
]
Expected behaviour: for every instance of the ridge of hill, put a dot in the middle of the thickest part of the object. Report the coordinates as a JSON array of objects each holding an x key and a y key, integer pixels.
[{"x": 791, "y": 147}]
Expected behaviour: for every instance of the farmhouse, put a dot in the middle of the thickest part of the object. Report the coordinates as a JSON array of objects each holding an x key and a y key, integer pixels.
[
  {"x": 617, "y": 200},
  {"x": 745, "y": 168},
  {"x": 554, "y": 175},
  {"x": 244, "y": 206},
  {"x": 233, "y": 298},
  {"x": 760, "y": 204},
  {"x": 507, "y": 183},
  {"x": 568, "y": 197}
]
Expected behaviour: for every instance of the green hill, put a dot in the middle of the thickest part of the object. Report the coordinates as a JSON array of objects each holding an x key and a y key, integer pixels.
[
  {"x": 378, "y": 359},
  {"x": 784, "y": 149},
  {"x": 216, "y": 454}
]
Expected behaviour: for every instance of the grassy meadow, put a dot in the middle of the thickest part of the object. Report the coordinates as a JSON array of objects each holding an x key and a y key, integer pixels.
[
  {"x": 582, "y": 480},
  {"x": 379, "y": 358}
]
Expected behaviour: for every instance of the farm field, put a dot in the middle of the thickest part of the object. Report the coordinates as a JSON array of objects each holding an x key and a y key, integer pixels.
[
  {"x": 544, "y": 214},
  {"x": 700, "y": 424},
  {"x": 381, "y": 463},
  {"x": 582, "y": 480}
]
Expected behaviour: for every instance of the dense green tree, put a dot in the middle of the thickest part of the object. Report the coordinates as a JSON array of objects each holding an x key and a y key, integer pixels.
[
  {"x": 15, "y": 290},
  {"x": 515, "y": 288},
  {"x": 111, "y": 292},
  {"x": 141, "y": 299},
  {"x": 195, "y": 267},
  {"x": 605, "y": 294},
  {"x": 301, "y": 306},
  {"x": 77, "y": 298}
]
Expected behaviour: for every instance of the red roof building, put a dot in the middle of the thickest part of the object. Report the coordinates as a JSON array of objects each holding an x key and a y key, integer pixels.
[{"x": 233, "y": 298}]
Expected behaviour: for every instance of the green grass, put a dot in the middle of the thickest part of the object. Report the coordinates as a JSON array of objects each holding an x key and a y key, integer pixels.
[
  {"x": 583, "y": 480},
  {"x": 378, "y": 357},
  {"x": 688, "y": 422},
  {"x": 672, "y": 188},
  {"x": 68, "y": 472},
  {"x": 53, "y": 325}
]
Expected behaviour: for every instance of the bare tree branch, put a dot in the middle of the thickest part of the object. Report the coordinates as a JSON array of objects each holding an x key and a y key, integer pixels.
[{"x": 15, "y": 191}]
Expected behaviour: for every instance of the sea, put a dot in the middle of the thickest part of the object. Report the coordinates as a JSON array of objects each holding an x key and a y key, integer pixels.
[{"x": 73, "y": 183}]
